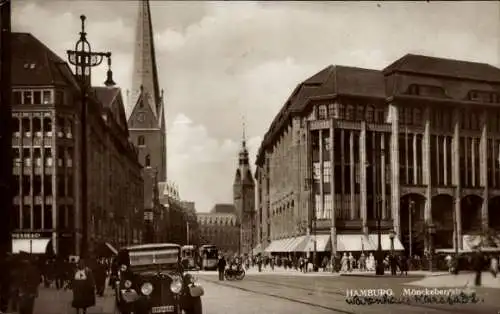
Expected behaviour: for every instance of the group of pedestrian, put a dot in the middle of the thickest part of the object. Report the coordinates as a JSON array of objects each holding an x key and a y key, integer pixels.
[{"x": 86, "y": 280}]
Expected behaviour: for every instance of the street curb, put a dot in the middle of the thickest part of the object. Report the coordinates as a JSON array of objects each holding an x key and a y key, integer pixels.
[
  {"x": 384, "y": 276},
  {"x": 417, "y": 276}
]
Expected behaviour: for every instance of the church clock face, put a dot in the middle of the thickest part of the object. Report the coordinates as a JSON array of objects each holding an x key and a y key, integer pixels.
[{"x": 141, "y": 117}]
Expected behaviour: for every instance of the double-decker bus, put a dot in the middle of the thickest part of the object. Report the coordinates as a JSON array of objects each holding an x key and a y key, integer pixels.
[
  {"x": 190, "y": 254},
  {"x": 209, "y": 255}
]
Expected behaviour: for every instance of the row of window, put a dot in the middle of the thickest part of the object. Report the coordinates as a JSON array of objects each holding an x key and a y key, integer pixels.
[
  {"x": 40, "y": 218},
  {"x": 36, "y": 125},
  {"x": 38, "y": 97},
  {"x": 41, "y": 185},
  {"x": 28, "y": 157},
  {"x": 437, "y": 91},
  {"x": 441, "y": 118}
]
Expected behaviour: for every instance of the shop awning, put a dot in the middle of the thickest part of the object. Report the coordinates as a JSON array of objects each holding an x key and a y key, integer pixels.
[
  {"x": 295, "y": 243},
  {"x": 352, "y": 243},
  {"x": 385, "y": 240},
  {"x": 274, "y": 246},
  {"x": 279, "y": 245},
  {"x": 32, "y": 246},
  {"x": 322, "y": 243}
]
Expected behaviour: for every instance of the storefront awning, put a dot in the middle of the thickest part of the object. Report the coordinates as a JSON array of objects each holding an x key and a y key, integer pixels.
[
  {"x": 32, "y": 246},
  {"x": 295, "y": 243},
  {"x": 322, "y": 243},
  {"x": 385, "y": 240},
  {"x": 352, "y": 243},
  {"x": 111, "y": 248},
  {"x": 278, "y": 245}
]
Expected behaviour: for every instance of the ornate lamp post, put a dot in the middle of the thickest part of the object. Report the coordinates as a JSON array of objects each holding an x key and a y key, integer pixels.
[
  {"x": 431, "y": 232},
  {"x": 392, "y": 235},
  {"x": 84, "y": 59}
]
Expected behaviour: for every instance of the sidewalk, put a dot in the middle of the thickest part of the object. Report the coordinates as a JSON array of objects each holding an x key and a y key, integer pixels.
[
  {"x": 411, "y": 274},
  {"x": 53, "y": 301},
  {"x": 462, "y": 280},
  {"x": 280, "y": 271}
]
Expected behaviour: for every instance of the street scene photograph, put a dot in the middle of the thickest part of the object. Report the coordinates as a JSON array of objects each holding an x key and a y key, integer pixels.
[{"x": 212, "y": 157}]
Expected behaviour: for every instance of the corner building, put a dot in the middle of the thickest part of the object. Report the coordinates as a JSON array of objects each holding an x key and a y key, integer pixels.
[
  {"x": 416, "y": 144},
  {"x": 46, "y": 102}
]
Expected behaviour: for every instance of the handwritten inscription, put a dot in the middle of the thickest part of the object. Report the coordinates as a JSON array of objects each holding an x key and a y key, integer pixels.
[{"x": 459, "y": 298}]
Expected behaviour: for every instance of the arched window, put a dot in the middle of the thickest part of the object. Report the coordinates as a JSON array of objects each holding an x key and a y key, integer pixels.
[
  {"x": 147, "y": 161},
  {"x": 141, "y": 141}
]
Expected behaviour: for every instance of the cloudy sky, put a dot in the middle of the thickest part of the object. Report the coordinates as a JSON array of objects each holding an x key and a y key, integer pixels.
[{"x": 219, "y": 61}]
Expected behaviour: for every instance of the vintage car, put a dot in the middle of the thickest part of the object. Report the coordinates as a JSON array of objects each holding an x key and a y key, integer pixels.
[{"x": 152, "y": 280}]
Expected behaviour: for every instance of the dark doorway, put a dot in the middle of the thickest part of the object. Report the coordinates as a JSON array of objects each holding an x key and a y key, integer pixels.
[
  {"x": 412, "y": 223},
  {"x": 494, "y": 214},
  {"x": 470, "y": 212},
  {"x": 442, "y": 211}
]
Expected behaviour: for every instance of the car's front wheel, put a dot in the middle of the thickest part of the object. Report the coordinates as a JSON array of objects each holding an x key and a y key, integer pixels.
[{"x": 195, "y": 307}]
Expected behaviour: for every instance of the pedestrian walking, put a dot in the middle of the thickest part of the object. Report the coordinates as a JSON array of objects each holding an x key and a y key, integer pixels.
[
  {"x": 83, "y": 288},
  {"x": 27, "y": 281},
  {"x": 478, "y": 265},
  {"x": 221, "y": 266},
  {"x": 405, "y": 265},
  {"x": 99, "y": 272},
  {"x": 494, "y": 266}
]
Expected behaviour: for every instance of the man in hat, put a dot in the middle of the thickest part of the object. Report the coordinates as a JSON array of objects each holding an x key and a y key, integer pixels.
[{"x": 27, "y": 280}]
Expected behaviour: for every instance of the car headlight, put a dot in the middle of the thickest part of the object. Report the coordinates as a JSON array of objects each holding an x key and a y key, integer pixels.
[
  {"x": 123, "y": 267},
  {"x": 146, "y": 288},
  {"x": 127, "y": 284},
  {"x": 176, "y": 285}
]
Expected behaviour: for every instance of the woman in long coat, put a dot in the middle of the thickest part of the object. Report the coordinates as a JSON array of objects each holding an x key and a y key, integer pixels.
[{"x": 83, "y": 288}]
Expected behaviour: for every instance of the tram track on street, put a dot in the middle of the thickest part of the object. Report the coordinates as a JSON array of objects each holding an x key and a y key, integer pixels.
[
  {"x": 336, "y": 292},
  {"x": 341, "y": 292},
  {"x": 222, "y": 283}
]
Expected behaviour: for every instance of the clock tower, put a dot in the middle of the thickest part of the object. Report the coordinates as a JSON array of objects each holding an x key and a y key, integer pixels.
[
  {"x": 147, "y": 120},
  {"x": 244, "y": 200}
]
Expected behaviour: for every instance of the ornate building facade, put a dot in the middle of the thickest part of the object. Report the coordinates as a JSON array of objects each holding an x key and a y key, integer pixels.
[
  {"x": 244, "y": 201},
  {"x": 220, "y": 227},
  {"x": 147, "y": 119},
  {"x": 46, "y": 149},
  {"x": 415, "y": 145}
]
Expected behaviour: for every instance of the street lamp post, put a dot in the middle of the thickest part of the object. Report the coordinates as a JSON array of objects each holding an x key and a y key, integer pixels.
[
  {"x": 392, "y": 235},
  {"x": 410, "y": 231},
  {"x": 379, "y": 268},
  {"x": 431, "y": 232},
  {"x": 83, "y": 58}
]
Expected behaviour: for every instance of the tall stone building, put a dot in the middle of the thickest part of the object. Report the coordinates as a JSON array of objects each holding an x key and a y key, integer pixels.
[
  {"x": 147, "y": 119},
  {"x": 46, "y": 149},
  {"x": 244, "y": 200},
  {"x": 415, "y": 145}
]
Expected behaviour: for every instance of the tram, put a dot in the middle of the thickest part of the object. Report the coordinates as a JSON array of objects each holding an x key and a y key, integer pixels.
[
  {"x": 189, "y": 253},
  {"x": 209, "y": 255}
]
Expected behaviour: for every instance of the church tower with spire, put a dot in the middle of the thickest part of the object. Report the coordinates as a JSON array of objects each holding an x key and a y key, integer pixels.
[
  {"x": 244, "y": 200},
  {"x": 147, "y": 119}
]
